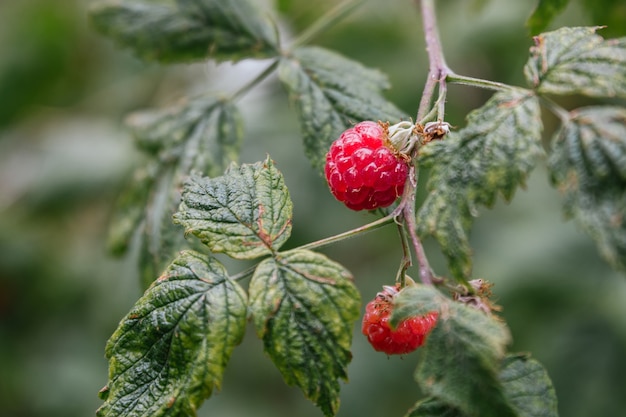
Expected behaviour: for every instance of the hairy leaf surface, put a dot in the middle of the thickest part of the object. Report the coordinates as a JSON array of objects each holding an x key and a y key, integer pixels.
[
  {"x": 246, "y": 213},
  {"x": 331, "y": 93},
  {"x": 577, "y": 61},
  {"x": 304, "y": 307},
  {"x": 462, "y": 355},
  {"x": 200, "y": 135},
  {"x": 187, "y": 30},
  {"x": 588, "y": 165},
  {"x": 544, "y": 13},
  {"x": 492, "y": 155},
  {"x": 528, "y": 387},
  {"x": 170, "y": 351}
]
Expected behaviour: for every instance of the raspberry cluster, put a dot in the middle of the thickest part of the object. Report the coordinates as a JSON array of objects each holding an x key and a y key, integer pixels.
[
  {"x": 406, "y": 337},
  {"x": 363, "y": 169}
]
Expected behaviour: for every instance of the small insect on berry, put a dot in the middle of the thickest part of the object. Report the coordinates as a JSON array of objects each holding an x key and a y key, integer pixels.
[
  {"x": 406, "y": 337},
  {"x": 363, "y": 170}
]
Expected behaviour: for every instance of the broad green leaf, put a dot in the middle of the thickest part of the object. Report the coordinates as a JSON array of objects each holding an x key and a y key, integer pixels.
[
  {"x": 492, "y": 155},
  {"x": 331, "y": 93},
  {"x": 433, "y": 407},
  {"x": 246, "y": 213},
  {"x": 544, "y": 13},
  {"x": 170, "y": 351},
  {"x": 304, "y": 307},
  {"x": 528, "y": 388},
  {"x": 462, "y": 355},
  {"x": 588, "y": 165},
  {"x": 187, "y": 30},
  {"x": 577, "y": 61},
  {"x": 200, "y": 135}
]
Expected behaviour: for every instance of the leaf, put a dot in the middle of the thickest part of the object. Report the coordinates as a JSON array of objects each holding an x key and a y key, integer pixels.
[
  {"x": 246, "y": 213},
  {"x": 304, "y": 307},
  {"x": 577, "y": 61},
  {"x": 588, "y": 165},
  {"x": 187, "y": 30},
  {"x": 492, "y": 155},
  {"x": 433, "y": 407},
  {"x": 462, "y": 355},
  {"x": 331, "y": 93},
  {"x": 528, "y": 387},
  {"x": 544, "y": 13},
  {"x": 170, "y": 351},
  {"x": 200, "y": 135}
]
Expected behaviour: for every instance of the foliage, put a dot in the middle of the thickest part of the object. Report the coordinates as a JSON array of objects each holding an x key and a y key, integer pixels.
[{"x": 170, "y": 351}]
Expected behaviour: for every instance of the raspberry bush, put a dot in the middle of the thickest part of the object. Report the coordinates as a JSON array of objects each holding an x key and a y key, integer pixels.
[{"x": 193, "y": 201}]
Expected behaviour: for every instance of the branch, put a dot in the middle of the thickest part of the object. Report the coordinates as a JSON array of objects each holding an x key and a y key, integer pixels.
[{"x": 438, "y": 69}]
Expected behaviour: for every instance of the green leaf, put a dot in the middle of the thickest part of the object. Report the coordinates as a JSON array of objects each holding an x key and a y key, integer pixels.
[
  {"x": 200, "y": 135},
  {"x": 433, "y": 407},
  {"x": 577, "y": 61},
  {"x": 528, "y": 387},
  {"x": 170, "y": 351},
  {"x": 304, "y": 307},
  {"x": 462, "y": 355},
  {"x": 331, "y": 93},
  {"x": 187, "y": 30},
  {"x": 246, "y": 213},
  {"x": 544, "y": 13},
  {"x": 492, "y": 155},
  {"x": 588, "y": 165}
]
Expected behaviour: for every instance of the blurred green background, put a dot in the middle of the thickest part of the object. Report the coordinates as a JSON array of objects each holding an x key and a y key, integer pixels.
[{"x": 64, "y": 156}]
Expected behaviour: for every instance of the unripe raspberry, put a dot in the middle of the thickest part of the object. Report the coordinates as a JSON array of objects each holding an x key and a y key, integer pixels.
[
  {"x": 363, "y": 169},
  {"x": 406, "y": 337}
]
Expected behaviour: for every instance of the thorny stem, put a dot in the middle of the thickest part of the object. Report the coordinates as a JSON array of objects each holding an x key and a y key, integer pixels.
[{"x": 438, "y": 69}]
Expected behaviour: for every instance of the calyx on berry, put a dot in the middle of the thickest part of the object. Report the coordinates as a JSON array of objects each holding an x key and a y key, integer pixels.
[
  {"x": 364, "y": 168},
  {"x": 410, "y": 334}
]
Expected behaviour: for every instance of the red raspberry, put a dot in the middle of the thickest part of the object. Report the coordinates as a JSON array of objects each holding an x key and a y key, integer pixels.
[
  {"x": 408, "y": 336},
  {"x": 363, "y": 170}
]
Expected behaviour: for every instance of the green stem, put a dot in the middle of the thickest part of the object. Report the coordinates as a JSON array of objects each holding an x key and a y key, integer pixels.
[
  {"x": 558, "y": 111},
  {"x": 350, "y": 233},
  {"x": 255, "y": 81},
  {"x": 406, "y": 261},
  {"x": 325, "y": 22},
  {"x": 477, "y": 82},
  {"x": 245, "y": 273}
]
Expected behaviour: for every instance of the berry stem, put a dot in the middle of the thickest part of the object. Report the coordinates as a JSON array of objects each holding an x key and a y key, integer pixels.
[
  {"x": 406, "y": 261},
  {"x": 406, "y": 212}
]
